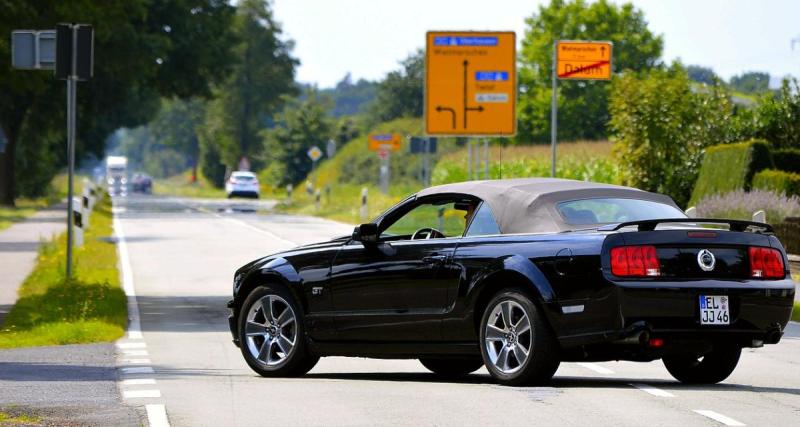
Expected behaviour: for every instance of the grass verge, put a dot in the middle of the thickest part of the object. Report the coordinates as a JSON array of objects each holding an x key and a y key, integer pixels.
[
  {"x": 10, "y": 419},
  {"x": 180, "y": 185},
  {"x": 796, "y": 312},
  {"x": 90, "y": 308}
]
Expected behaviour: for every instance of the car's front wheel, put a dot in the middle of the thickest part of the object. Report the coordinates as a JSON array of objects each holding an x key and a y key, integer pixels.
[
  {"x": 452, "y": 368},
  {"x": 710, "y": 368},
  {"x": 517, "y": 345},
  {"x": 272, "y": 334}
]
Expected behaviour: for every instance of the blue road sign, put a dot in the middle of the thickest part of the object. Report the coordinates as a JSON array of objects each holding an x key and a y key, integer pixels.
[
  {"x": 493, "y": 76},
  {"x": 465, "y": 41}
]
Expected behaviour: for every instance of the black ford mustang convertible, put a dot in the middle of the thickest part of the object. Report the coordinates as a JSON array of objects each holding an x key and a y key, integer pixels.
[{"x": 519, "y": 275}]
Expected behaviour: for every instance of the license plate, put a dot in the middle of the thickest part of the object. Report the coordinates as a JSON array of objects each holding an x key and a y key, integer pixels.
[{"x": 715, "y": 310}]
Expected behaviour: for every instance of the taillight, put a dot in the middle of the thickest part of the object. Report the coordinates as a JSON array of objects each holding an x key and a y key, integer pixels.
[
  {"x": 766, "y": 263},
  {"x": 635, "y": 261}
]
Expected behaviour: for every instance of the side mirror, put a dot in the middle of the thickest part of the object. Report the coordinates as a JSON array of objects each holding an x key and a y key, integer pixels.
[{"x": 366, "y": 234}]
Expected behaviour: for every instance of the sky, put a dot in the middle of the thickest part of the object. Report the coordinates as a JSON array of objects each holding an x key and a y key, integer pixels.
[{"x": 368, "y": 38}]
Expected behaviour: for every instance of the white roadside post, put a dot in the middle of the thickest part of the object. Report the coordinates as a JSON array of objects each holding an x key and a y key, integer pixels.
[
  {"x": 691, "y": 212},
  {"x": 77, "y": 219},
  {"x": 760, "y": 216},
  {"x": 364, "y": 211}
]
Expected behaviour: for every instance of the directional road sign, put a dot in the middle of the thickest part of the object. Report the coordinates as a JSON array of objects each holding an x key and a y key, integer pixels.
[
  {"x": 470, "y": 83},
  {"x": 582, "y": 60},
  {"x": 314, "y": 153},
  {"x": 390, "y": 141}
]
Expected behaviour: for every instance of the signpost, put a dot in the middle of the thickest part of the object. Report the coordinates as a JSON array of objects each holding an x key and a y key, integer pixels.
[
  {"x": 69, "y": 50},
  {"x": 470, "y": 83},
  {"x": 384, "y": 144},
  {"x": 424, "y": 146},
  {"x": 314, "y": 153},
  {"x": 576, "y": 60}
]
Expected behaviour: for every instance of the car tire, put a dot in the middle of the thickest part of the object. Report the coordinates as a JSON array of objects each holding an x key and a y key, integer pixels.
[
  {"x": 503, "y": 345},
  {"x": 452, "y": 368},
  {"x": 273, "y": 342},
  {"x": 710, "y": 368}
]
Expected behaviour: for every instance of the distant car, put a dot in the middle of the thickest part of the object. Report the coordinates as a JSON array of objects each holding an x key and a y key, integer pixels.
[
  {"x": 242, "y": 184},
  {"x": 518, "y": 276},
  {"x": 142, "y": 183}
]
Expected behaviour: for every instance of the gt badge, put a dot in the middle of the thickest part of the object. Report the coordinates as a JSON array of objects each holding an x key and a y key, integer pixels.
[
  {"x": 706, "y": 260},
  {"x": 316, "y": 290}
]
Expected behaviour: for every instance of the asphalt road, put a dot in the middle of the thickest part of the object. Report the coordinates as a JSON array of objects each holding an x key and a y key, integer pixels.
[{"x": 182, "y": 255}]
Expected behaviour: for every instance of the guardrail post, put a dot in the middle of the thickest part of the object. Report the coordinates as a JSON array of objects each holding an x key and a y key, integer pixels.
[
  {"x": 77, "y": 222},
  {"x": 364, "y": 211},
  {"x": 760, "y": 216},
  {"x": 691, "y": 212},
  {"x": 316, "y": 199},
  {"x": 289, "y": 189}
]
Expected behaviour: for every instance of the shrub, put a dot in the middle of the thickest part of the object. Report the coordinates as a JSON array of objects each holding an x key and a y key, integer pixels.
[
  {"x": 730, "y": 167},
  {"x": 787, "y": 160},
  {"x": 778, "y": 117},
  {"x": 661, "y": 123},
  {"x": 739, "y": 204},
  {"x": 789, "y": 234},
  {"x": 778, "y": 181}
]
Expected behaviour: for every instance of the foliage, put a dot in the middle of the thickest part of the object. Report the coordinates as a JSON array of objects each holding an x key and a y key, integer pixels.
[
  {"x": 400, "y": 94},
  {"x": 702, "y": 74},
  {"x": 730, "y": 167},
  {"x": 778, "y": 181},
  {"x": 176, "y": 128},
  {"x": 351, "y": 98},
  {"x": 661, "y": 125},
  {"x": 787, "y": 159},
  {"x": 90, "y": 308},
  {"x": 751, "y": 82},
  {"x": 144, "y": 50},
  {"x": 584, "y": 161},
  {"x": 777, "y": 118},
  {"x": 301, "y": 125},
  {"x": 252, "y": 92},
  {"x": 583, "y": 105},
  {"x": 740, "y": 204}
]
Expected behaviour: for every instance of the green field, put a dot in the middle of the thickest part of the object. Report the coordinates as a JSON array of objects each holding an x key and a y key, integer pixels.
[
  {"x": 90, "y": 308},
  {"x": 181, "y": 186}
]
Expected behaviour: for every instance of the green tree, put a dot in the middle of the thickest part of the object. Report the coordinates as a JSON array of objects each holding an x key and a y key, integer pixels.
[
  {"x": 751, "y": 82},
  {"x": 777, "y": 117},
  {"x": 661, "y": 126},
  {"x": 301, "y": 125},
  {"x": 702, "y": 74},
  {"x": 400, "y": 94},
  {"x": 583, "y": 105},
  {"x": 143, "y": 50},
  {"x": 176, "y": 126},
  {"x": 254, "y": 89}
]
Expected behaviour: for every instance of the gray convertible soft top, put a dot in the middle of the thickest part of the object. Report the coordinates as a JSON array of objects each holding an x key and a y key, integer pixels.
[{"x": 527, "y": 205}]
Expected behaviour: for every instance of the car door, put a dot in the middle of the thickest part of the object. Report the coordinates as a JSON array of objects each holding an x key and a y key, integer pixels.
[{"x": 397, "y": 290}]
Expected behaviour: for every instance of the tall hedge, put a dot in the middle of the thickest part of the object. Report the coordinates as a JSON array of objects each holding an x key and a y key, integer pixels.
[
  {"x": 730, "y": 167},
  {"x": 778, "y": 181},
  {"x": 787, "y": 160}
]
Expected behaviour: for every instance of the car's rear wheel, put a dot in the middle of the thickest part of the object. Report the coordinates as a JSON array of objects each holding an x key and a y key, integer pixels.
[
  {"x": 272, "y": 334},
  {"x": 452, "y": 368},
  {"x": 517, "y": 345},
  {"x": 710, "y": 368}
]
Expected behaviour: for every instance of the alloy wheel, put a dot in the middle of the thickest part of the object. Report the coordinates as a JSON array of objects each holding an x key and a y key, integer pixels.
[
  {"x": 271, "y": 330},
  {"x": 508, "y": 337}
]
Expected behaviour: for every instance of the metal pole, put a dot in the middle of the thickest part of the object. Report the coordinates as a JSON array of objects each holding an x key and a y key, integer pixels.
[
  {"x": 477, "y": 166},
  {"x": 426, "y": 173},
  {"x": 72, "y": 83},
  {"x": 469, "y": 159},
  {"x": 554, "y": 111},
  {"x": 486, "y": 156}
]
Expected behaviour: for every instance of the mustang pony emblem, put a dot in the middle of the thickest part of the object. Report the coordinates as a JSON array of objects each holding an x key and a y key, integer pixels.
[{"x": 706, "y": 260}]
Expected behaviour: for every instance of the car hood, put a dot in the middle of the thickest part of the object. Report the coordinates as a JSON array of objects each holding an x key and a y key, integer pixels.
[{"x": 302, "y": 249}]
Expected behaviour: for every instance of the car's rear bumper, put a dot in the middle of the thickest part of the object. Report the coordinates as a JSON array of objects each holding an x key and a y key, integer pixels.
[
  {"x": 243, "y": 193},
  {"x": 759, "y": 311}
]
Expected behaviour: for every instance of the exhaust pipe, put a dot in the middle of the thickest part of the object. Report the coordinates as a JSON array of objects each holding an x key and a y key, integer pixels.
[{"x": 637, "y": 338}]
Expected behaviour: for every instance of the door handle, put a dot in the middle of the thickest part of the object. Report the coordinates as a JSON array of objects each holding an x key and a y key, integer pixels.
[{"x": 434, "y": 259}]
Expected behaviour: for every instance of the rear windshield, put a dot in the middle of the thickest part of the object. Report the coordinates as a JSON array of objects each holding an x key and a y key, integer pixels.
[
  {"x": 614, "y": 210},
  {"x": 244, "y": 177}
]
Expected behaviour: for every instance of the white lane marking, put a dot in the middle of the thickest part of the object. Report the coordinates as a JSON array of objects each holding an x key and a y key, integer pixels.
[
  {"x": 138, "y": 370},
  {"x": 128, "y": 345},
  {"x": 139, "y": 381},
  {"x": 652, "y": 390},
  {"x": 718, "y": 417},
  {"x": 289, "y": 243},
  {"x": 134, "y": 326},
  {"x": 157, "y": 416},
  {"x": 134, "y": 352},
  {"x": 140, "y": 394},
  {"x": 137, "y": 361},
  {"x": 597, "y": 368}
]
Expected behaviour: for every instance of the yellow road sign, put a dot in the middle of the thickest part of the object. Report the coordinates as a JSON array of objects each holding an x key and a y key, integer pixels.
[
  {"x": 580, "y": 60},
  {"x": 314, "y": 153},
  {"x": 385, "y": 141},
  {"x": 470, "y": 83}
]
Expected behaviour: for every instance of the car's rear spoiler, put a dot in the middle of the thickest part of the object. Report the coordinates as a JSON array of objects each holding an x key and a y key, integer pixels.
[{"x": 651, "y": 224}]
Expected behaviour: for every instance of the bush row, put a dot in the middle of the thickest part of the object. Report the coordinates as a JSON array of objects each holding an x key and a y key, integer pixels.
[
  {"x": 778, "y": 181},
  {"x": 730, "y": 167}
]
